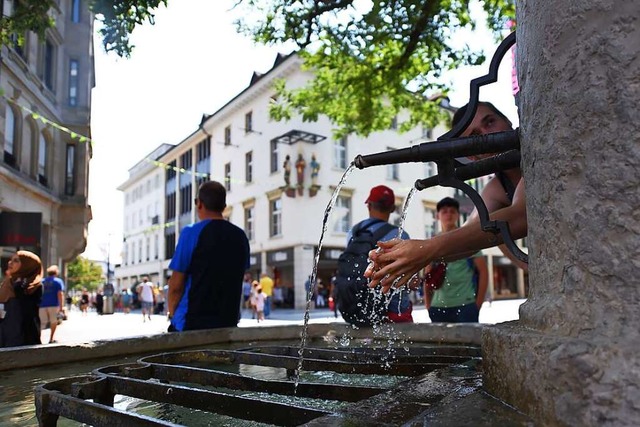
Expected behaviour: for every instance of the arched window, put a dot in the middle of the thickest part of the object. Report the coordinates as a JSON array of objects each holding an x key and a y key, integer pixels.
[
  {"x": 10, "y": 137},
  {"x": 42, "y": 160}
]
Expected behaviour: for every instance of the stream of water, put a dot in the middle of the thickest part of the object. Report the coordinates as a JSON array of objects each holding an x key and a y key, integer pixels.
[{"x": 378, "y": 294}]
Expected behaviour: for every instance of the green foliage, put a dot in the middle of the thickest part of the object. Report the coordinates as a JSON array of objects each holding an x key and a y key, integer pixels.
[
  {"x": 83, "y": 273},
  {"x": 369, "y": 65},
  {"x": 118, "y": 18}
]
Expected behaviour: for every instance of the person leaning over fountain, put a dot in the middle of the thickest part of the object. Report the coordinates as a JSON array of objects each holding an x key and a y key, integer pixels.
[
  {"x": 461, "y": 295},
  {"x": 20, "y": 295},
  {"x": 504, "y": 195},
  {"x": 208, "y": 267}
]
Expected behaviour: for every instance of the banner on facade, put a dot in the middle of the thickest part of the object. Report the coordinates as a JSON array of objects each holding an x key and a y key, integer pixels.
[{"x": 20, "y": 228}]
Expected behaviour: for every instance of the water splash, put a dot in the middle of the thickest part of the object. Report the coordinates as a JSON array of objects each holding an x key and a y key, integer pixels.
[{"x": 314, "y": 273}]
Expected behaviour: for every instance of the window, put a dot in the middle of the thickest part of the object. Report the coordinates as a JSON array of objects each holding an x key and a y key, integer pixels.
[
  {"x": 47, "y": 64},
  {"x": 248, "y": 122},
  {"x": 430, "y": 169},
  {"x": 227, "y": 135},
  {"x": 393, "y": 171},
  {"x": 203, "y": 153},
  {"x": 248, "y": 222},
  {"x": 248, "y": 166},
  {"x": 10, "y": 135},
  {"x": 427, "y": 133},
  {"x": 227, "y": 176},
  {"x": 125, "y": 253},
  {"x": 170, "y": 200},
  {"x": 343, "y": 214},
  {"x": 275, "y": 214},
  {"x": 75, "y": 11},
  {"x": 148, "y": 247},
  {"x": 70, "y": 172},
  {"x": 340, "y": 153},
  {"x": 141, "y": 217},
  {"x": 156, "y": 246},
  {"x": 169, "y": 244},
  {"x": 73, "y": 82},
  {"x": 133, "y": 253},
  {"x": 274, "y": 156},
  {"x": 156, "y": 182},
  {"x": 429, "y": 223},
  {"x": 140, "y": 251},
  {"x": 42, "y": 160},
  {"x": 394, "y": 123},
  {"x": 133, "y": 220}
]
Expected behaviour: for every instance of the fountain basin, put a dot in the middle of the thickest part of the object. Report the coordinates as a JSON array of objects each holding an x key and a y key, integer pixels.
[{"x": 441, "y": 362}]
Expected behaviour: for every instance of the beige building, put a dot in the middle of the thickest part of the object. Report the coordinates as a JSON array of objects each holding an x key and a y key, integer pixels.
[{"x": 44, "y": 116}]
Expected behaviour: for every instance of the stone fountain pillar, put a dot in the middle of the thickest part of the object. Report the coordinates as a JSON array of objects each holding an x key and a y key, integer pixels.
[{"x": 573, "y": 358}]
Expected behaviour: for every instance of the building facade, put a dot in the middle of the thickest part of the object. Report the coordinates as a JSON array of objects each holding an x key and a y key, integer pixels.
[
  {"x": 280, "y": 177},
  {"x": 45, "y": 124}
]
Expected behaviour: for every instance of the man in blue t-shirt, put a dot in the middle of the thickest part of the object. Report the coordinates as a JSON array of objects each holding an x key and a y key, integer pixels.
[
  {"x": 52, "y": 300},
  {"x": 208, "y": 266}
]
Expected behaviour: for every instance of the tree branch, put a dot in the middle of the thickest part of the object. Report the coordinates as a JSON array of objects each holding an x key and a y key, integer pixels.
[{"x": 428, "y": 9}]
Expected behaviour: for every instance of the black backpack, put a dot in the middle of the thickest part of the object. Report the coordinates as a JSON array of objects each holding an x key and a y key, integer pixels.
[{"x": 357, "y": 303}]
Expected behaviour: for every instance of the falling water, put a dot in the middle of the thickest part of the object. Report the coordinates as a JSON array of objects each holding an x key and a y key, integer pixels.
[
  {"x": 403, "y": 217},
  {"x": 314, "y": 272},
  {"x": 405, "y": 209}
]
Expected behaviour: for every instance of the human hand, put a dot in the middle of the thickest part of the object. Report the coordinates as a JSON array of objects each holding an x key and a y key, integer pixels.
[{"x": 396, "y": 262}]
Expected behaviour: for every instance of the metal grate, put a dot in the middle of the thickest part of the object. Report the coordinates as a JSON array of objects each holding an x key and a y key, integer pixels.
[{"x": 209, "y": 380}]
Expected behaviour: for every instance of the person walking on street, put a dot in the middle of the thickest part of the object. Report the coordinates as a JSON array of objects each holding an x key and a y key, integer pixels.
[
  {"x": 266, "y": 284},
  {"x": 52, "y": 303},
  {"x": 208, "y": 266},
  {"x": 146, "y": 297}
]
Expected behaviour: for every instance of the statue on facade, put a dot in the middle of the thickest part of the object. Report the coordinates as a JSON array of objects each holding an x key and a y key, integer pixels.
[
  {"x": 287, "y": 171},
  {"x": 300, "y": 166},
  {"x": 315, "y": 167}
]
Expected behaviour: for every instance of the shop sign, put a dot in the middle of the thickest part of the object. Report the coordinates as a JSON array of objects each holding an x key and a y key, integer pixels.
[
  {"x": 331, "y": 253},
  {"x": 280, "y": 256},
  {"x": 253, "y": 259},
  {"x": 20, "y": 228}
]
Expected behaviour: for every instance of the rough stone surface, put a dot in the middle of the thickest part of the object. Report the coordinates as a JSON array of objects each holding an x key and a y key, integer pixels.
[{"x": 573, "y": 357}]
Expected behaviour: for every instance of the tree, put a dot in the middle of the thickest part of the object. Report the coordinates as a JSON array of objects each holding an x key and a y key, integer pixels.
[
  {"x": 369, "y": 64},
  {"x": 82, "y": 272},
  {"x": 118, "y": 18}
]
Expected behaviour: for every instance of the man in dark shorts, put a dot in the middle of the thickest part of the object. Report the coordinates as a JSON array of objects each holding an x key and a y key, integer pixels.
[{"x": 208, "y": 267}]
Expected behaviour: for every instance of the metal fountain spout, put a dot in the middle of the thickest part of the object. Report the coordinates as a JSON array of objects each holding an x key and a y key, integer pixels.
[{"x": 444, "y": 150}]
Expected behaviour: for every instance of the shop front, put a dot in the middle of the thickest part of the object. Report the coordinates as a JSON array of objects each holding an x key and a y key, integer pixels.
[{"x": 280, "y": 267}]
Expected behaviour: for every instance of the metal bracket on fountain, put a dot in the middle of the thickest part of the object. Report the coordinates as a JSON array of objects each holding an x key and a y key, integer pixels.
[{"x": 450, "y": 152}]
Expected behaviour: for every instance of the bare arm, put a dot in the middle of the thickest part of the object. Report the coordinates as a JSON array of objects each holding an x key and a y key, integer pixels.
[
  {"x": 61, "y": 300},
  {"x": 483, "y": 279},
  {"x": 176, "y": 289},
  {"x": 399, "y": 260}
]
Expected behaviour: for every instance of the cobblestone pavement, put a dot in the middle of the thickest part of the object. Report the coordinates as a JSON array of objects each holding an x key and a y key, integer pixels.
[{"x": 79, "y": 328}]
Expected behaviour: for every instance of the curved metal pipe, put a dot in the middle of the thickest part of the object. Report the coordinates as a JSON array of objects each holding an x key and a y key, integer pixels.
[
  {"x": 439, "y": 150},
  {"x": 499, "y": 162}
]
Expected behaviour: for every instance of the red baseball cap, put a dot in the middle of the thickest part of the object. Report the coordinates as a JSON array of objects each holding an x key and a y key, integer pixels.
[{"x": 382, "y": 195}]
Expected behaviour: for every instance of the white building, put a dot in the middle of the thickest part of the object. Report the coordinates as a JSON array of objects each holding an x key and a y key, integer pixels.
[{"x": 241, "y": 146}]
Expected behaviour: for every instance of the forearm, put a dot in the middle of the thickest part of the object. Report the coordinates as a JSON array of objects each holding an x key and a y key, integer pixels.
[
  {"x": 60, "y": 300},
  {"x": 470, "y": 238},
  {"x": 176, "y": 289}
]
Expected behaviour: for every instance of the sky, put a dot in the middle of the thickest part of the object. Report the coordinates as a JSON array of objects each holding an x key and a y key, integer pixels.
[{"x": 190, "y": 63}]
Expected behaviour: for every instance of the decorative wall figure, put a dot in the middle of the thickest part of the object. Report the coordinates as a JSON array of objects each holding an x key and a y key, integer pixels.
[
  {"x": 315, "y": 167},
  {"x": 287, "y": 171},
  {"x": 300, "y": 166}
]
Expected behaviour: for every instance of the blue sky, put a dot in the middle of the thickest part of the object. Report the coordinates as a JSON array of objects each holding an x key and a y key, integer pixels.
[{"x": 191, "y": 62}]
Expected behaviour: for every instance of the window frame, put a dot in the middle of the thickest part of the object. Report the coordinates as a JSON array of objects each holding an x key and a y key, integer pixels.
[{"x": 275, "y": 217}]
